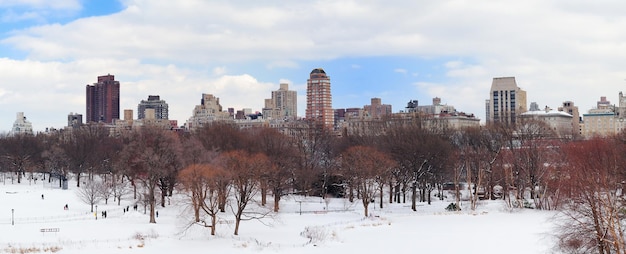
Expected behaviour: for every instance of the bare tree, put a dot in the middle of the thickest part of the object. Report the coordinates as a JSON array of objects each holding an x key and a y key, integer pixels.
[
  {"x": 153, "y": 153},
  {"x": 57, "y": 163},
  {"x": 365, "y": 167},
  {"x": 245, "y": 169},
  {"x": 21, "y": 154},
  {"x": 79, "y": 145},
  {"x": 595, "y": 212},
  {"x": 90, "y": 193},
  {"x": 202, "y": 182},
  {"x": 280, "y": 151},
  {"x": 418, "y": 150},
  {"x": 106, "y": 191},
  {"x": 119, "y": 188}
]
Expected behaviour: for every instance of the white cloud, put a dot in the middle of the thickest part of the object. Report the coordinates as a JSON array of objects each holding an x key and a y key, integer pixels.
[
  {"x": 400, "y": 70},
  {"x": 557, "y": 50}
]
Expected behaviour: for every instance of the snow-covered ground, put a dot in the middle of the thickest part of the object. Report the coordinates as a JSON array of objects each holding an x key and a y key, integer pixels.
[{"x": 340, "y": 228}]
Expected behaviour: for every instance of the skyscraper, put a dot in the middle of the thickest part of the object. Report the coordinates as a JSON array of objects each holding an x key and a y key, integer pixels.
[
  {"x": 506, "y": 101},
  {"x": 103, "y": 100},
  {"x": 319, "y": 108},
  {"x": 154, "y": 102},
  {"x": 282, "y": 105}
]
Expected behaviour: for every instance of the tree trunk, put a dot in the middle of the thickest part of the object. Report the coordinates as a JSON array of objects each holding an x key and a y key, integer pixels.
[
  {"x": 213, "y": 223},
  {"x": 196, "y": 211},
  {"x": 414, "y": 197},
  {"x": 163, "y": 193},
  {"x": 276, "y": 202},
  {"x": 382, "y": 188},
  {"x": 78, "y": 180},
  {"x": 152, "y": 204},
  {"x": 263, "y": 196},
  {"x": 237, "y": 221}
]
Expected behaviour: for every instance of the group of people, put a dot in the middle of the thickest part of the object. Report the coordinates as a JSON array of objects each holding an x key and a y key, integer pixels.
[{"x": 127, "y": 209}]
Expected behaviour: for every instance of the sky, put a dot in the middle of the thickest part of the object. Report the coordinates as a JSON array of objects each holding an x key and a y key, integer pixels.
[{"x": 240, "y": 51}]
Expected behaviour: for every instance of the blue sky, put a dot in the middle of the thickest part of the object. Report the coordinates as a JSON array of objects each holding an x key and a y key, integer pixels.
[{"x": 240, "y": 51}]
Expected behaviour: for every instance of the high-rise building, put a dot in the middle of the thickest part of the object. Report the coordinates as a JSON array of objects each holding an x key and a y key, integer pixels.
[
  {"x": 154, "y": 102},
  {"x": 506, "y": 101},
  {"x": 319, "y": 107},
  {"x": 282, "y": 105},
  {"x": 209, "y": 110},
  {"x": 103, "y": 100}
]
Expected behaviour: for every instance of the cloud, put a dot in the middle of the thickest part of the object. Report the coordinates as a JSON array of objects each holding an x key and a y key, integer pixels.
[
  {"x": 400, "y": 70},
  {"x": 556, "y": 50}
]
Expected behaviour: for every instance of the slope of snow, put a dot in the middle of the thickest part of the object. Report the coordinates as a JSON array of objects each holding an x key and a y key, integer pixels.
[{"x": 337, "y": 226}]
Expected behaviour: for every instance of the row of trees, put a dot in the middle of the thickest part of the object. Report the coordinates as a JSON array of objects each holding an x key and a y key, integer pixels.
[{"x": 392, "y": 160}]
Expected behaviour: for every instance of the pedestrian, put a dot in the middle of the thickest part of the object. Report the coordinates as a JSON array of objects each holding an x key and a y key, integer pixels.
[
  {"x": 105, "y": 214},
  {"x": 157, "y": 214},
  {"x": 66, "y": 207},
  {"x": 124, "y": 210},
  {"x": 41, "y": 196}
]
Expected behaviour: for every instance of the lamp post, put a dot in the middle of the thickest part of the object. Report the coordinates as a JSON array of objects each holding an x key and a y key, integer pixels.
[
  {"x": 96, "y": 212},
  {"x": 12, "y": 216}
]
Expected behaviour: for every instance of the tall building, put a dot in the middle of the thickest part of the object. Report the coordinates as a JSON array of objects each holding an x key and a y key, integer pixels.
[
  {"x": 282, "y": 105},
  {"x": 209, "y": 110},
  {"x": 154, "y": 102},
  {"x": 103, "y": 100},
  {"x": 506, "y": 101},
  {"x": 319, "y": 107}
]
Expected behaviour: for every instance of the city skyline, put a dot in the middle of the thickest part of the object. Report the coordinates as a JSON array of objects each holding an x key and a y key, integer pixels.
[{"x": 240, "y": 51}]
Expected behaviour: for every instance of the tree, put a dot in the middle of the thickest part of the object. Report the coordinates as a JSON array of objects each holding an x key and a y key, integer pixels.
[
  {"x": 316, "y": 147},
  {"x": 244, "y": 169},
  {"x": 153, "y": 153},
  {"x": 477, "y": 151},
  {"x": 595, "y": 209},
  {"x": 80, "y": 145},
  {"x": 119, "y": 187},
  {"x": 418, "y": 151},
  {"x": 57, "y": 164},
  {"x": 202, "y": 182},
  {"x": 90, "y": 193},
  {"x": 365, "y": 167},
  {"x": 22, "y": 151},
  {"x": 281, "y": 153}
]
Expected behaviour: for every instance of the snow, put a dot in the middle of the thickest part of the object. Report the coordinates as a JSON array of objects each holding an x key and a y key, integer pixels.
[{"x": 337, "y": 226}]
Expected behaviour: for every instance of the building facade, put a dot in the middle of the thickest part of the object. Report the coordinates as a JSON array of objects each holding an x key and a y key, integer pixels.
[
  {"x": 209, "y": 110},
  {"x": 606, "y": 119},
  {"x": 21, "y": 125},
  {"x": 74, "y": 120},
  {"x": 282, "y": 105},
  {"x": 570, "y": 108},
  {"x": 506, "y": 101},
  {"x": 377, "y": 109},
  {"x": 103, "y": 100},
  {"x": 155, "y": 103},
  {"x": 558, "y": 122},
  {"x": 319, "y": 108}
]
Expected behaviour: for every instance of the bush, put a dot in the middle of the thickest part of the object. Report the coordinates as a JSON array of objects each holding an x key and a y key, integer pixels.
[{"x": 452, "y": 207}]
